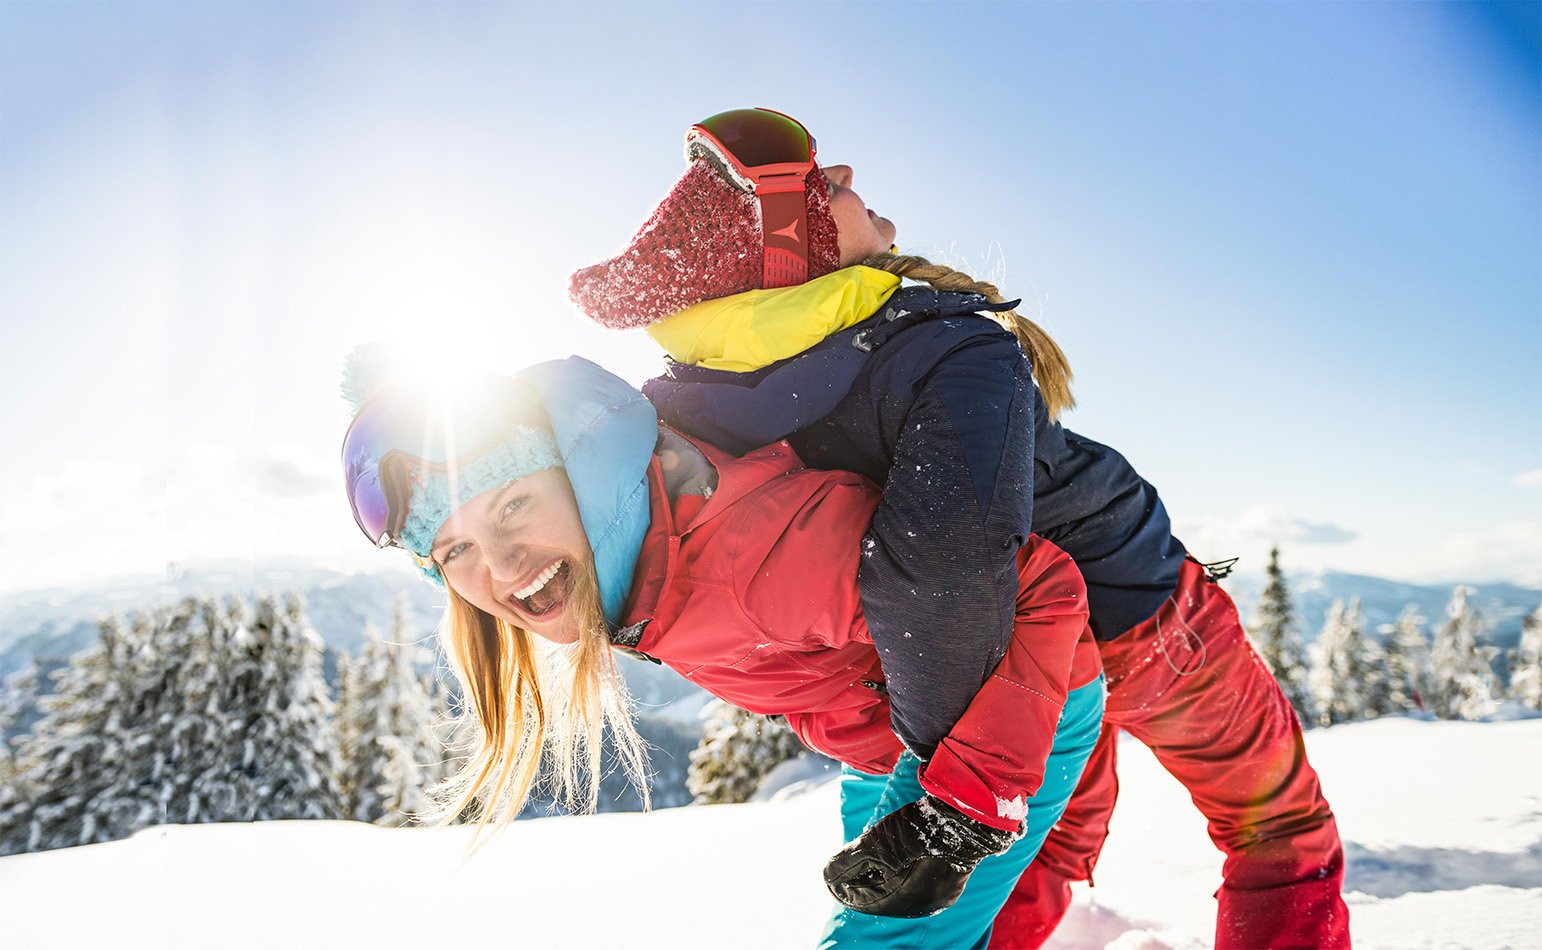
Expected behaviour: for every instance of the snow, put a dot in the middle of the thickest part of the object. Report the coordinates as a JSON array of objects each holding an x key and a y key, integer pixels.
[
  {"x": 1442, "y": 821},
  {"x": 1015, "y": 809}
]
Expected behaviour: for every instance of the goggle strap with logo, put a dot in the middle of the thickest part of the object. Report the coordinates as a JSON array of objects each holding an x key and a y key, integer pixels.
[{"x": 784, "y": 232}]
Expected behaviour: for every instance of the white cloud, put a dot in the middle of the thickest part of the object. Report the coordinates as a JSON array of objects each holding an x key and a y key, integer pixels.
[
  {"x": 90, "y": 519},
  {"x": 85, "y": 520},
  {"x": 1531, "y": 479},
  {"x": 1264, "y": 523},
  {"x": 1248, "y": 535},
  {"x": 1510, "y": 551},
  {"x": 289, "y": 473}
]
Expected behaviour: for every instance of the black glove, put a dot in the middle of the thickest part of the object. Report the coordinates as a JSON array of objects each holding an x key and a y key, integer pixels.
[{"x": 913, "y": 862}]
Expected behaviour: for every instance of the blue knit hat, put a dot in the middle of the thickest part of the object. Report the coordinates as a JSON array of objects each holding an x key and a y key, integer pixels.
[{"x": 435, "y": 496}]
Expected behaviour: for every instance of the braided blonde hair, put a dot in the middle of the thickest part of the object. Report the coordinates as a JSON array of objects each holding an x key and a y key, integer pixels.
[{"x": 1051, "y": 370}]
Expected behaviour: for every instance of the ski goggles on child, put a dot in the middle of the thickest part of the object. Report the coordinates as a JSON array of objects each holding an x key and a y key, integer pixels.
[
  {"x": 448, "y": 450},
  {"x": 768, "y": 155}
]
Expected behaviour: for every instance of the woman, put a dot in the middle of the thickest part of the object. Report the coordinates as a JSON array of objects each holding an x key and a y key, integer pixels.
[
  {"x": 898, "y": 384},
  {"x": 554, "y": 509}
]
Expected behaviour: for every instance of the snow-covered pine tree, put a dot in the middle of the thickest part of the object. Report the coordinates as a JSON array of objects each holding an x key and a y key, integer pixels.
[
  {"x": 1526, "y": 663},
  {"x": 281, "y": 718},
  {"x": 75, "y": 752},
  {"x": 17, "y": 695},
  {"x": 1345, "y": 678},
  {"x": 1462, "y": 681},
  {"x": 1274, "y": 635},
  {"x": 737, "y": 750},
  {"x": 392, "y": 753},
  {"x": 1407, "y": 664},
  {"x": 136, "y": 794},
  {"x": 345, "y": 716},
  {"x": 1376, "y": 688},
  {"x": 198, "y": 765}
]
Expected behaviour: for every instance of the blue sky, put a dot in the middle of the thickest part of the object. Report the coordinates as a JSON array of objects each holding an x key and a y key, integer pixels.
[{"x": 1294, "y": 251}]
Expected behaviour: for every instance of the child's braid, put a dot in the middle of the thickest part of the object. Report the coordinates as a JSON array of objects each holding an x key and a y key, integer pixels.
[{"x": 1050, "y": 368}]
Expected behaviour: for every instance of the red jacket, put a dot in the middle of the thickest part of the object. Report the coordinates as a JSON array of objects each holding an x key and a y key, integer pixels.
[{"x": 754, "y": 598}]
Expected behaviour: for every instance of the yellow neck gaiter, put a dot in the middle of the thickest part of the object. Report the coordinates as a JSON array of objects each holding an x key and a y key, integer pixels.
[{"x": 747, "y": 331}]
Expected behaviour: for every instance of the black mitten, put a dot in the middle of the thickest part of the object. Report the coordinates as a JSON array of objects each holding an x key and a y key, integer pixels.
[{"x": 913, "y": 862}]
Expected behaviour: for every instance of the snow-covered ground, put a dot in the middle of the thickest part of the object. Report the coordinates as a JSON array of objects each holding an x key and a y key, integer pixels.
[{"x": 1443, "y": 821}]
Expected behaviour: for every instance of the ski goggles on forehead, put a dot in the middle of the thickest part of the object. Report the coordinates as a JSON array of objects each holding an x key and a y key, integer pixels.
[
  {"x": 399, "y": 435},
  {"x": 769, "y": 155}
]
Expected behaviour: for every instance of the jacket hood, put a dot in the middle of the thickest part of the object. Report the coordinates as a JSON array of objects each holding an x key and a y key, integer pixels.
[{"x": 605, "y": 432}]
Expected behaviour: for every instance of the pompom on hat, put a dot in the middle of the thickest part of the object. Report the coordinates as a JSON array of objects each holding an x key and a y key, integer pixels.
[{"x": 702, "y": 242}]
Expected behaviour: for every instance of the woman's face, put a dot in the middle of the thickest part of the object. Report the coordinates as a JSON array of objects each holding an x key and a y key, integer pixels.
[
  {"x": 510, "y": 552},
  {"x": 859, "y": 232}
]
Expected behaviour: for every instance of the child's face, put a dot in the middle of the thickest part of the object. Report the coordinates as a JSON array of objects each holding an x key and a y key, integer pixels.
[
  {"x": 510, "y": 552},
  {"x": 859, "y": 232}
]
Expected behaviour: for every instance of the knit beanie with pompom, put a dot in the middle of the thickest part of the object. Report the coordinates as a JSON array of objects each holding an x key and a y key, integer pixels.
[{"x": 702, "y": 242}]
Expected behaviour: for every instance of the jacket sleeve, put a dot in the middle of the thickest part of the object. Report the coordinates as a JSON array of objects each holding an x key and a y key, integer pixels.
[
  {"x": 993, "y": 758},
  {"x": 946, "y": 425}
]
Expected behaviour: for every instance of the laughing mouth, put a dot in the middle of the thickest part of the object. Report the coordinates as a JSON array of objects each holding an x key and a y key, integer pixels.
[{"x": 544, "y": 594}]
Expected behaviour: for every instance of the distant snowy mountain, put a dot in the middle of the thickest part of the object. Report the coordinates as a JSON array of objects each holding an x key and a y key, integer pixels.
[
  {"x": 54, "y": 623},
  {"x": 1504, "y": 606}
]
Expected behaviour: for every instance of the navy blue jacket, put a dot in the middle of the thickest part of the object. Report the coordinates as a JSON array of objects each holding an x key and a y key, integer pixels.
[{"x": 938, "y": 406}]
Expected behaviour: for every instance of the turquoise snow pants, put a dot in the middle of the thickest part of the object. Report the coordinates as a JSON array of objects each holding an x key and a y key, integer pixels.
[{"x": 967, "y": 924}]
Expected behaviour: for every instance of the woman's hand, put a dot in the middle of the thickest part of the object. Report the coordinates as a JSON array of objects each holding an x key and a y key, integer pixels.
[{"x": 914, "y": 862}]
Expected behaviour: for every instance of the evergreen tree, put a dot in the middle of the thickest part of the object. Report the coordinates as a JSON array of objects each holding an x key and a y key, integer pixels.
[
  {"x": 1526, "y": 663},
  {"x": 445, "y": 699},
  {"x": 18, "y": 694},
  {"x": 736, "y": 752},
  {"x": 136, "y": 794},
  {"x": 75, "y": 752},
  {"x": 1407, "y": 664},
  {"x": 1274, "y": 634},
  {"x": 347, "y": 719},
  {"x": 280, "y": 736},
  {"x": 201, "y": 725},
  {"x": 17, "y": 697},
  {"x": 1346, "y": 678},
  {"x": 1462, "y": 680},
  {"x": 391, "y": 752}
]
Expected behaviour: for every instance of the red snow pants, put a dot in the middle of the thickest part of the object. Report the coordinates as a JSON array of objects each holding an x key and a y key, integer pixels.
[{"x": 1189, "y": 685}]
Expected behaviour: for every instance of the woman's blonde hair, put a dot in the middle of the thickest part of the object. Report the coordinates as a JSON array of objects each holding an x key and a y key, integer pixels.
[
  {"x": 1051, "y": 370},
  {"x": 532, "y": 714}
]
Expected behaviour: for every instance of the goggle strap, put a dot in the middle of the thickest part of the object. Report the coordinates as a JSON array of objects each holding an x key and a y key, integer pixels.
[
  {"x": 396, "y": 484},
  {"x": 784, "y": 234}
]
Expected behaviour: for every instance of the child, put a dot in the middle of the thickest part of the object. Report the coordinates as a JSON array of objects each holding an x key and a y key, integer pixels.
[{"x": 908, "y": 387}]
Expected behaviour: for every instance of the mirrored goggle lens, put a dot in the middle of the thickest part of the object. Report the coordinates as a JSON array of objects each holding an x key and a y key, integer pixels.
[
  {"x": 370, "y": 509},
  {"x": 759, "y": 137},
  {"x": 370, "y": 437}
]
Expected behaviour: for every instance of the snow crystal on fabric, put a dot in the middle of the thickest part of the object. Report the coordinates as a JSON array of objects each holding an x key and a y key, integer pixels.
[
  {"x": 703, "y": 241},
  {"x": 1014, "y": 809}
]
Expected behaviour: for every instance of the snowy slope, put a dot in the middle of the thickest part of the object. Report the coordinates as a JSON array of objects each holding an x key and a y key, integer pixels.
[{"x": 1444, "y": 821}]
